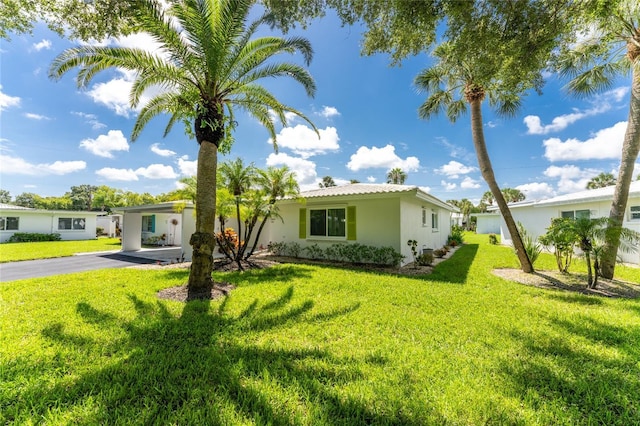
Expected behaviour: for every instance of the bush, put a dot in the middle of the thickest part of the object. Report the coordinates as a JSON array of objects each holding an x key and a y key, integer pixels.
[
  {"x": 456, "y": 238},
  {"x": 425, "y": 259},
  {"x": 439, "y": 253},
  {"x": 293, "y": 249},
  {"x": 531, "y": 245},
  {"x": 341, "y": 252},
  {"x": 277, "y": 249},
  {"x": 493, "y": 239},
  {"x": 29, "y": 237},
  {"x": 314, "y": 251},
  {"x": 100, "y": 231}
]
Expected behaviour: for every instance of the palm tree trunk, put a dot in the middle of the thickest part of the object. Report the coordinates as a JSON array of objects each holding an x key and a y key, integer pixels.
[
  {"x": 630, "y": 150},
  {"x": 589, "y": 271},
  {"x": 486, "y": 169},
  {"x": 203, "y": 240}
]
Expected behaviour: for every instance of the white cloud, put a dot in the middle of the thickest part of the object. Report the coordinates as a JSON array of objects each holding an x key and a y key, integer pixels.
[
  {"x": 91, "y": 119},
  {"x": 104, "y": 145},
  {"x": 571, "y": 178},
  {"x": 303, "y": 141},
  {"x": 371, "y": 179},
  {"x": 329, "y": 111},
  {"x": 448, "y": 186},
  {"x": 32, "y": 116},
  {"x": 468, "y": 183},
  {"x": 125, "y": 175},
  {"x": 288, "y": 116},
  {"x": 604, "y": 144},
  {"x": 187, "y": 168},
  {"x": 305, "y": 170},
  {"x": 601, "y": 104},
  {"x": 7, "y": 101},
  {"x": 426, "y": 189},
  {"x": 156, "y": 171},
  {"x": 536, "y": 190},
  {"x": 44, "y": 44},
  {"x": 114, "y": 94},
  {"x": 453, "y": 169},
  {"x": 18, "y": 166},
  {"x": 374, "y": 157},
  {"x": 155, "y": 148}
]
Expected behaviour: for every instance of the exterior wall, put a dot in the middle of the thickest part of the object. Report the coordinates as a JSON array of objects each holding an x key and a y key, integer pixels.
[
  {"x": 536, "y": 220},
  {"x": 412, "y": 227},
  {"x": 488, "y": 223},
  {"x": 164, "y": 227},
  {"x": 377, "y": 223},
  {"x": 108, "y": 223},
  {"x": 46, "y": 222}
]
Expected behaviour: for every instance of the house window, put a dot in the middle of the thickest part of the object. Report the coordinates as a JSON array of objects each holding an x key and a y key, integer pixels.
[
  {"x": 635, "y": 212},
  {"x": 434, "y": 220},
  {"x": 9, "y": 223},
  {"x": 71, "y": 223},
  {"x": 149, "y": 223},
  {"x": 424, "y": 216},
  {"x": 327, "y": 222},
  {"x": 576, "y": 214}
]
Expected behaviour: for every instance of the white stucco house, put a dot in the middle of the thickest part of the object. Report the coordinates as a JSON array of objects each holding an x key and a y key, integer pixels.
[
  {"x": 71, "y": 225},
  {"x": 536, "y": 216},
  {"x": 371, "y": 214}
]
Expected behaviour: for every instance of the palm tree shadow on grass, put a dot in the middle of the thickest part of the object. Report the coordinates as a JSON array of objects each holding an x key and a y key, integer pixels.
[
  {"x": 204, "y": 366},
  {"x": 590, "y": 386}
]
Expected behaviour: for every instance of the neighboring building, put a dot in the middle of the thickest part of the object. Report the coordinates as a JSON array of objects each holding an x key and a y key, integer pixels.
[
  {"x": 371, "y": 214},
  {"x": 71, "y": 225},
  {"x": 111, "y": 224},
  {"x": 536, "y": 216},
  {"x": 170, "y": 223},
  {"x": 488, "y": 223}
]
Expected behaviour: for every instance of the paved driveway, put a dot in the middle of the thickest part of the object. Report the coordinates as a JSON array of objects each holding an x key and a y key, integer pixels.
[{"x": 65, "y": 265}]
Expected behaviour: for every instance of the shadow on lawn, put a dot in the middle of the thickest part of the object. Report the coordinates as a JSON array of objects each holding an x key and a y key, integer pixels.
[
  {"x": 592, "y": 383},
  {"x": 456, "y": 268},
  {"x": 202, "y": 367}
]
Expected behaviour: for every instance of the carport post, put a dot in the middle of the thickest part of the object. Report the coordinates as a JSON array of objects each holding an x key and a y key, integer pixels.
[{"x": 131, "y": 231}]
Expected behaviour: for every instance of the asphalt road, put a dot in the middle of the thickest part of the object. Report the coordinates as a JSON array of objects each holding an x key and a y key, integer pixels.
[{"x": 65, "y": 265}]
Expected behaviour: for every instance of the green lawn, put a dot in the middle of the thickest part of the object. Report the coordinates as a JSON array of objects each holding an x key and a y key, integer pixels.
[
  {"x": 313, "y": 345},
  {"x": 12, "y": 252}
]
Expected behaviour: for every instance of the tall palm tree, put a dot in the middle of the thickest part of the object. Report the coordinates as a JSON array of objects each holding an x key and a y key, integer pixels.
[
  {"x": 513, "y": 195},
  {"x": 396, "y": 176},
  {"x": 592, "y": 66},
  {"x": 494, "y": 50},
  {"x": 208, "y": 64},
  {"x": 601, "y": 181}
]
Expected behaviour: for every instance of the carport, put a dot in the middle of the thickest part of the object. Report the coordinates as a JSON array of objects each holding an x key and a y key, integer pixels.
[{"x": 132, "y": 227}]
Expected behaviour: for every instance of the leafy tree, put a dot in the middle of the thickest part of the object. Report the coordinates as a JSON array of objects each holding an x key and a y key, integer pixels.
[
  {"x": 466, "y": 207},
  {"x": 352, "y": 181},
  {"x": 81, "y": 19},
  {"x": 82, "y": 196},
  {"x": 5, "y": 196},
  {"x": 611, "y": 50},
  {"x": 28, "y": 199},
  {"x": 56, "y": 203},
  {"x": 208, "y": 65},
  {"x": 601, "y": 181},
  {"x": 487, "y": 198},
  {"x": 396, "y": 176},
  {"x": 327, "y": 182}
]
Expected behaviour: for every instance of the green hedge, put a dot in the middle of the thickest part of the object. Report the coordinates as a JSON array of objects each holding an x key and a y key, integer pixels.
[{"x": 28, "y": 237}]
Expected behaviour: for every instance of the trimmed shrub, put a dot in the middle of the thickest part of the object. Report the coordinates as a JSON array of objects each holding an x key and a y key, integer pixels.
[
  {"x": 425, "y": 259},
  {"x": 30, "y": 237},
  {"x": 439, "y": 253},
  {"x": 314, "y": 251},
  {"x": 493, "y": 239}
]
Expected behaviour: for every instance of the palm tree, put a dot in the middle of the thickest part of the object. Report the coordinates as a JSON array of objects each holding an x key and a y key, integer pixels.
[
  {"x": 275, "y": 183},
  {"x": 487, "y": 198},
  {"x": 592, "y": 66},
  {"x": 601, "y": 181},
  {"x": 396, "y": 176},
  {"x": 512, "y": 195},
  {"x": 327, "y": 182},
  {"x": 208, "y": 64},
  {"x": 238, "y": 179}
]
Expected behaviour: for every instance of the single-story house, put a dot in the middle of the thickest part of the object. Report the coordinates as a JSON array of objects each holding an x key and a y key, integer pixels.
[
  {"x": 170, "y": 223},
  {"x": 370, "y": 214},
  {"x": 71, "y": 225},
  {"x": 488, "y": 223},
  {"x": 111, "y": 224},
  {"x": 536, "y": 216}
]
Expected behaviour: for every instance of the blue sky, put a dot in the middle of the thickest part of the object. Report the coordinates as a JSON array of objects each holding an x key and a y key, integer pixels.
[{"x": 53, "y": 136}]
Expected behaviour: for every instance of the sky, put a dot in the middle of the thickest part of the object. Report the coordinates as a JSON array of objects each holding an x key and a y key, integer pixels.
[{"x": 54, "y": 135}]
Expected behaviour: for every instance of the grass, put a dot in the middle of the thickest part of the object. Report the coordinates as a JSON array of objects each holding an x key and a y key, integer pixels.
[
  {"x": 313, "y": 345},
  {"x": 12, "y": 252}
]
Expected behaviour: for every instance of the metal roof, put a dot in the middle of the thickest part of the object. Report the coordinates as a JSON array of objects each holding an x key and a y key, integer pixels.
[{"x": 4, "y": 206}]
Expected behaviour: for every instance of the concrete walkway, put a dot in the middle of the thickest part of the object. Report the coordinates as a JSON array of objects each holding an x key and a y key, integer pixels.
[{"x": 84, "y": 262}]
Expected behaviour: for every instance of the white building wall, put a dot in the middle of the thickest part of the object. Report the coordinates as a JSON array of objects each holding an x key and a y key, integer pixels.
[
  {"x": 536, "y": 220},
  {"x": 488, "y": 223},
  {"x": 412, "y": 227},
  {"x": 45, "y": 222}
]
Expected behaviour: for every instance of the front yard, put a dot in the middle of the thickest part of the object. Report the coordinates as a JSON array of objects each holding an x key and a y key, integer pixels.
[
  {"x": 314, "y": 345},
  {"x": 13, "y": 252}
]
